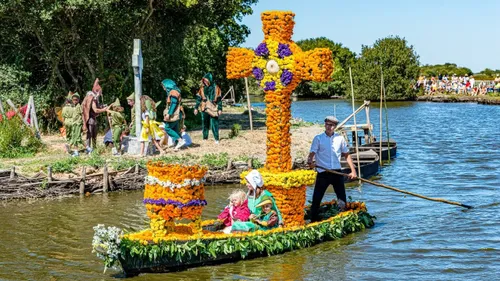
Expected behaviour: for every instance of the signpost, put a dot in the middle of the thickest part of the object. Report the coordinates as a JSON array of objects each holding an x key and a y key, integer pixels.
[
  {"x": 137, "y": 64},
  {"x": 133, "y": 144}
]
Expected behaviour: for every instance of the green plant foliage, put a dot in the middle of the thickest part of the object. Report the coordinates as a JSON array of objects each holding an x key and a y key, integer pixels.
[
  {"x": 444, "y": 69},
  {"x": 17, "y": 140},
  {"x": 343, "y": 58},
  {"x": 235, "y": 130},
  {"x": 215, "y": 161},
  {"x": 64, "y": 45},
  {"x": 400, "y": 66}
]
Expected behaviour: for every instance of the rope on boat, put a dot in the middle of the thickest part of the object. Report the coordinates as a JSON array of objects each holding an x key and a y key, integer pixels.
[{"x": 399, "y": 190}]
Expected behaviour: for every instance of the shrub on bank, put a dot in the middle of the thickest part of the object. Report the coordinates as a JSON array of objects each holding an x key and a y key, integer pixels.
[{"x": 16, "y": 139}]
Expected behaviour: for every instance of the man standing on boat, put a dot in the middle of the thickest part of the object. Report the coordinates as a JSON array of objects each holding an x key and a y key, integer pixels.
[{"x": 327, "y": 148}]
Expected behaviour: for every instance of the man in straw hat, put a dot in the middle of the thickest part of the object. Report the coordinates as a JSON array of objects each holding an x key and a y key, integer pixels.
[
  {"x": 327, "y": 148},
  {"x": 117, "y": 124}
]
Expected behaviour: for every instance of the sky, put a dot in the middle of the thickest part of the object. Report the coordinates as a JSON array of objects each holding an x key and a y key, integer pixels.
[{"x": 463, "y": 32}]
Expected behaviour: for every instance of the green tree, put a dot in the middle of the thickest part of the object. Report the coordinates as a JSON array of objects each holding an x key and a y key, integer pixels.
[
  {"x": 400, "y": 66},
  {"x": 444, "y": 69},
  {"x": 64, "y": 44},
  {"x": 343, "y": 58}
]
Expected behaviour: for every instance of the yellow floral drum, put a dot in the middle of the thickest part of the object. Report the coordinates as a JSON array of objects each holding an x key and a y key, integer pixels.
[{"x": 172, "y": 193}]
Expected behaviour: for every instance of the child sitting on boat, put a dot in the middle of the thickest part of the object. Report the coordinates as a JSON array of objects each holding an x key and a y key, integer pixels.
[
  {"x": 269, "y": 217},
  {"x": 237, "y": 210},
  {"x": 256, "y": 195}
]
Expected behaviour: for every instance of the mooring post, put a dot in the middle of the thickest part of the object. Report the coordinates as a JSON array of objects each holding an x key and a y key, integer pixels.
[
  {"x": 136, "y": 168},
  {"x": 105, "y": 181},
  {"x": 82, "y": 182},
  {"x": 13, "y": 172},
  {"x": 49, "y": 173},
  {"x": 249, "y": 162},
  {"x": 229, "y": 164}
]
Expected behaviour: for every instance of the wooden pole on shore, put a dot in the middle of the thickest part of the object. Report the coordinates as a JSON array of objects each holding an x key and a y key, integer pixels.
[
  {"x": 355, "y": 125},
  {"x": 13, "y": 172},
  {"x": 105, "y": 181},
  {"x": 82, "y": 181},
  {"x": 49, "y": 173},
  {"x": 249, "y": 104},
  {"x": 400, "y": 190}
]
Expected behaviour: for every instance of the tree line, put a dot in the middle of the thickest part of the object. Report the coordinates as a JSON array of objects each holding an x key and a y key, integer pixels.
[{"x": 48, "y": 48}]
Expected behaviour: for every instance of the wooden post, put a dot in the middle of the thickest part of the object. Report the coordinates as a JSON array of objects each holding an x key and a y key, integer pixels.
[
  {"x": 136, "y": 168},
  {"x": 250, "y": 163},
  {"x": 355, "y": 125},
  {"x": 17, "y": 112},
  {"x": 381, "y": 101},
  {"x": 13, "y": 172},
  {"x": 82, "y": 182},
  {"x": 2, "y": 111},
  {"x": 229, "y": 164},
  {"x": 34, "y": 119},
  {"x": 368, "y": 137},
  {"x": 49, "y": 173},
  {"x": 28, "y": 110},
  {"x": 249, "y": 104},
  {"x": 105, "y": 180}
]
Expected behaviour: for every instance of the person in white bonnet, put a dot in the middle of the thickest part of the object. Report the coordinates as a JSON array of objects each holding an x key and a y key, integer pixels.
[
  {"x": 256, "y": 192},
  {"x": 327, "y": 148}
]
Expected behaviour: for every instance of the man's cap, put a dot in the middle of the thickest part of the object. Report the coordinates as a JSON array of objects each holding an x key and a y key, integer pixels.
[{"x": 332, "y": 118}]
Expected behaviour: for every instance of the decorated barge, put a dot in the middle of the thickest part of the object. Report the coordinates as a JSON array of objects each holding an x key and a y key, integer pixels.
[{"x": 174, "y": 194}]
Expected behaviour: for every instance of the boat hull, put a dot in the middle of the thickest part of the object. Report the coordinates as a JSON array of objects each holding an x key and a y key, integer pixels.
[{"x": 136, "y": 257}]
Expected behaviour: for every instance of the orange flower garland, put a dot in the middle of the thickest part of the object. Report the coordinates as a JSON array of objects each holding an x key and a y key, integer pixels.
[{"x": 239, "y": 62}]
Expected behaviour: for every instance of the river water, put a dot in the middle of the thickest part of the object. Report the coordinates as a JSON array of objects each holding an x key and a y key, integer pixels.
[{"x": 445, "y": 150}]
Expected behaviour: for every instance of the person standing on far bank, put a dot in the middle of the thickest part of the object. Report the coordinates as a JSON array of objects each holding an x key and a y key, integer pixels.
[
  {"x": 209, "y": 100},
  {"x": 327, "y": 148}
]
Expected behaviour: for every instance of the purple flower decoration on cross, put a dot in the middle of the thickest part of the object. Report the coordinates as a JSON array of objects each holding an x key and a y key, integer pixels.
[
  {"x": 284, "y": 50},
  {"x": 178, "y": 204},
  {"x": 262, "y": 50},
  {"x": 286, "y": 77},
  {"x": 270, "y": 86},
  {"x": 258, "y": 73}
]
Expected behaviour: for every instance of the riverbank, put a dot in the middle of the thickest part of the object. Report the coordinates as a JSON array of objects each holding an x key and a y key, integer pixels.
[
  {"x": 53, "y": 172},
  {"x": 460, "y": 98}
]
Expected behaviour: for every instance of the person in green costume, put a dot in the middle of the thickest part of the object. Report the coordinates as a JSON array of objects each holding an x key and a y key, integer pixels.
[
  {"x": 172, "y": 114},
  {"x": 118, "y": 124},
  {"x": 131, "y": 103},
  {"x": 209, "y": 102},
  {"x": 67, "y": 115},
  {"x": 256, "y": 196},
  {"x": 268, "y": 218},
  {"x": 76, "y": 127}
]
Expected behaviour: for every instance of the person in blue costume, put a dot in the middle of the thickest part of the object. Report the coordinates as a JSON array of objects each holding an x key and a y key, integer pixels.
[
  {"x": 172, "y": 114},
  {"x": 256, "y": 196},
  {"x": 209, "y": 102}
]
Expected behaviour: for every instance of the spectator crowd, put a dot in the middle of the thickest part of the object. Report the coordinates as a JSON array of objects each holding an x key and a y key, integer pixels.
[{"x": 464, "y": 85}]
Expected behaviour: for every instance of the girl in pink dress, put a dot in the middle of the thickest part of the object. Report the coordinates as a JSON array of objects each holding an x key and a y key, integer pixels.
[{"x": 237, "y": 210}]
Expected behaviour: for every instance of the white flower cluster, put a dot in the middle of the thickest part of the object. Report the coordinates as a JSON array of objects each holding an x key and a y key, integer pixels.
[
  {"x": 106, "y": 243},
  {"x": 187, "y": 182}
]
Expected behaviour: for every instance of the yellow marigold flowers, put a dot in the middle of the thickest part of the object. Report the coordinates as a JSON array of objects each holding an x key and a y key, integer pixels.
[{"x": 239, "y": 62}]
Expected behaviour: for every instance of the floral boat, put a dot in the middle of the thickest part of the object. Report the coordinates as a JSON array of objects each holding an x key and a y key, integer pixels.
[{"x": 174, "y": 194}]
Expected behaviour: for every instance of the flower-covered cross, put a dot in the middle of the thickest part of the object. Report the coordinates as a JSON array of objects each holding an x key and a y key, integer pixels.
[{"x": 279, "y": 65}]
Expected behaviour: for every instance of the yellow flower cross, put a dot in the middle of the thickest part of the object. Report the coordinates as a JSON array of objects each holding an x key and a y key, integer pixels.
[{"x": 278, "y": 65}]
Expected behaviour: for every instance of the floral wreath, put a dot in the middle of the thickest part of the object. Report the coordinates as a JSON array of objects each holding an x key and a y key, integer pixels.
[{"x": 273, "y": 65}]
